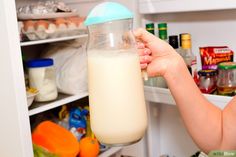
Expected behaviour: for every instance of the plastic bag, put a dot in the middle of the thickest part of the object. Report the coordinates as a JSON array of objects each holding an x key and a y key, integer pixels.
[{"x": 71, "y": 66}]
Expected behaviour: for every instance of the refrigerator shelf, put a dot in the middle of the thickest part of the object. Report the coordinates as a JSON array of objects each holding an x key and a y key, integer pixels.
[
  {"x": 110, "y": 151},
  {"x": 62, "y": 99},
  {"x": 173, "y": 6},
  {"x": 37, "y": 42},
  {"x": 163, "y": 95}
]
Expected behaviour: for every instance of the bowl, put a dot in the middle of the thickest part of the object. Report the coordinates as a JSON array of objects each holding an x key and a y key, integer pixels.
[{"x": 30, "y": 97}]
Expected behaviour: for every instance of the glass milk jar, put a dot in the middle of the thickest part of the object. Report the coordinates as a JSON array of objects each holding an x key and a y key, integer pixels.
[{"x": 116, "y": 95}]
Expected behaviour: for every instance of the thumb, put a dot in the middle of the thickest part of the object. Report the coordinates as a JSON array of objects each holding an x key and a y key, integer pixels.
[
  {"x": 144, "y": 35},
  {"x": 156, "y": 45}
]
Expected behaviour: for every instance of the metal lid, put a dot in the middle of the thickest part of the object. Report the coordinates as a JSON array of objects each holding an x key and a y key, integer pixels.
[
  {"x": 162, "y": 26},
  {"x": 186, "y": 41},
  {"x": 227, "y": 65},
  {"x": 173, "y": 41},
  {"x": 207, "y": 72},
  {"x": 186, "y": 36}
]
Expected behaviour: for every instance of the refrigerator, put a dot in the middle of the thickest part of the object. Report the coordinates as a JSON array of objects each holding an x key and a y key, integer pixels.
[{"x": 211, "y": 23}]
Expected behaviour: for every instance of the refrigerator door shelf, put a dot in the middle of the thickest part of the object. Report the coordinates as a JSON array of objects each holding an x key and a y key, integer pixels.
[
  {"x": 163, "y": 96},
  {"x": 169, "y": 6}
]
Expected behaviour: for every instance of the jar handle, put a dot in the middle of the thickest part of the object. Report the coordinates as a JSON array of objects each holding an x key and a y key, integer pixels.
[{"x": 144, "y": 75}]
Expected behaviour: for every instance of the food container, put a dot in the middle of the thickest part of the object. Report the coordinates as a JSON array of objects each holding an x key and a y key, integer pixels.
[
  {"x": 116, "y": 94},
  {"x": 211, "y": 56},
  {"x": 42, "y": 77},
  {"x": 226, "y": 83},
  {"x": 30, "y": 98},
  {"x": 207, "y": 81},
  {"x": 53, "y": 28}
]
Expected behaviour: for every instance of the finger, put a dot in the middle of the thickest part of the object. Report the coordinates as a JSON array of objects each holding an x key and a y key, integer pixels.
[
  {"x": 145, "y": 51},
  {"x": 145, "y": 59},
  {"x": 144, "y": 35},
  {"x": 143, "y": 66},
  {"x": 140, "y": 45}
]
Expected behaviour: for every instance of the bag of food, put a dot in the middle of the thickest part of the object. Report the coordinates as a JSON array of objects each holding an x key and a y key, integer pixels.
[
  {"x": 71, "y": 66},
  {"x": 211, "y": 56},
  {"x": 55, "y": 139}
]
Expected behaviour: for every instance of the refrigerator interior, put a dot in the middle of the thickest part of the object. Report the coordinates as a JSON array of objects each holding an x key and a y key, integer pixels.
[
  {"x": 166, "y": 133},
  {"x": 83, "y": 7},
  {"x": 208, "y": 28}
]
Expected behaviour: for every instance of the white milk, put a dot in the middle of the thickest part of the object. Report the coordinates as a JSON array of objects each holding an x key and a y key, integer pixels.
[{"x": 117, "y": 104}]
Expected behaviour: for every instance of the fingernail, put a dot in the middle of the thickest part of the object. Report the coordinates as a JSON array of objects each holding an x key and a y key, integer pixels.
[
  {"x": 147, "y": 51},
  {"x": 143, "y": 66},
  {"x": 140, "y": 45}
]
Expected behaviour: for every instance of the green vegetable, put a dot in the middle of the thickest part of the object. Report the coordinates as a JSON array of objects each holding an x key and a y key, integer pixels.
[{"x": 41, "y": 152}]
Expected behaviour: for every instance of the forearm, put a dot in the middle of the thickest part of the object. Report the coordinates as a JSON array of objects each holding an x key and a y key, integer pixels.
[
  {"x": 202, "y": 119},
  {"x": 229, "y": 127}
]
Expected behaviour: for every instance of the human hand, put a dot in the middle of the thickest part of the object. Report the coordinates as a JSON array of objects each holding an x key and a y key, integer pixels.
[{"x": 157, "y": 56}]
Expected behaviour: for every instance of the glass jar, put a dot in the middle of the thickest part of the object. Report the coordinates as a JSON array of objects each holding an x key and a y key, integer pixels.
[
  {"x": 116, "y": 95},
  {"x": 226, "y": 84},
  {"x": 207, "y": 81},
  {"x": 42, "y": 76}
]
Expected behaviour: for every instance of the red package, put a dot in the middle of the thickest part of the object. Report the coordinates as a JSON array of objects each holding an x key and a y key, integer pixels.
[{"x": 211, "y": 56}]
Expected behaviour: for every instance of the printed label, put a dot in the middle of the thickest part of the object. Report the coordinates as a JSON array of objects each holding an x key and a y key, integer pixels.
[
  {"x": 222, "y": 154},
  {"x": 211, "y": 56}
]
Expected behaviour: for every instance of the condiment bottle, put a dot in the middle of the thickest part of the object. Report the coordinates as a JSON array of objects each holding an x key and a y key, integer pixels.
[
  {"x": 42, "y": 76},
  {"x": 207, "y": 81},
  {"x": 162, "y": 32},
  {"x": 116, "y": 96},
  {"x": 188, "y": 56},
  {"x": 173, "y": 41},
  {"x": 226, "y": 84}
]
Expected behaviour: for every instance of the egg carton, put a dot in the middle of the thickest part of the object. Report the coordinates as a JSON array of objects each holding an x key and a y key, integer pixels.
[
  {"x": 47, "y": 34},
  {"x": 48, "y": 29}
]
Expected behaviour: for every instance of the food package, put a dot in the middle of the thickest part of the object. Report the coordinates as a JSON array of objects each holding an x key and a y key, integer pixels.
[
  {"x": 70, "y": 64},
  {"x": 211, "y": 56},
  {"x": 54, "y": 28},
  {"x": 47, "y": 7},
  {"x": 55, "y": 139}
]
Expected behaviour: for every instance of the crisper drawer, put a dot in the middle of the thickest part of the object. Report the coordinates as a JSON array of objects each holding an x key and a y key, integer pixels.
[{"x": 167, "y": 6}]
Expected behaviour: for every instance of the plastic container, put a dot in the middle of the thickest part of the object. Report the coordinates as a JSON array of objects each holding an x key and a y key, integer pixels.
[
  {"x": 226, "y": 83},
  {"x": 42, "y": 77},
  {"x": 30, "y": 98},
  {"x": 207, "y": 81},
  {"x": 117, "y": 104}
]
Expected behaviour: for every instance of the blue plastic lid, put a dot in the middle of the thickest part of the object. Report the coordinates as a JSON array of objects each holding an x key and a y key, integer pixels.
[
  {"x": 37, "y": 63},
  {"x": 108, "y": 11}
]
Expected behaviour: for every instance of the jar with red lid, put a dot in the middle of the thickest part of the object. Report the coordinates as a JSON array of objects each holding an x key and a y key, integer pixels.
[{"x": 207, "y": 81}]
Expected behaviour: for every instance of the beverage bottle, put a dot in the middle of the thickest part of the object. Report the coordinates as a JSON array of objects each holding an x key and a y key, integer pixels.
[
  {"x": 116, "y": 97},
  {"x": 173, "y": 41},
  {"x": 162, "y": 29},
  {"x": 188, "y": 56},
  {"x": 152, "y": 81},
  {"x": 150, "y": 27}
]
